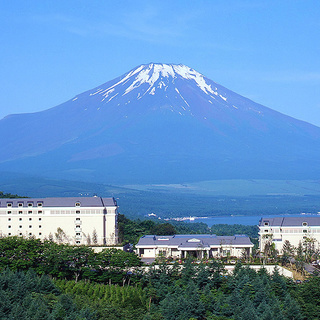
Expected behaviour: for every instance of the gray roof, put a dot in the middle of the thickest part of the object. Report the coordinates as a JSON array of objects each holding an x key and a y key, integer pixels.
[
  {"x": 290, "y": 221},
  {"x": 194, "y": 240},
  {"x": 60, "y": 202}
]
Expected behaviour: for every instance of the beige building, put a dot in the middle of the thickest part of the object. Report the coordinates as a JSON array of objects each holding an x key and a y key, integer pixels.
[
  {"x": 197, "y": 245},
  {"x": 82, "y": 220},
  {"x": 294, "y": 229}
]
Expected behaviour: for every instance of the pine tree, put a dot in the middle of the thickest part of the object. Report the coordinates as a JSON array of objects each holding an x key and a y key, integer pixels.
[
  {"x": 248, "y": 312},
  {"x": 278, "y": 283},
  {"x": 291, "y": 309}
]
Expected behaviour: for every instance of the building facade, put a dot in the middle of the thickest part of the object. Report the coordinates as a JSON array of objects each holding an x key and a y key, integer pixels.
[
  {"x": 196, "y": 245},
  {"x": 294, "y": 229},
  {"x": 83, "y": 220}
]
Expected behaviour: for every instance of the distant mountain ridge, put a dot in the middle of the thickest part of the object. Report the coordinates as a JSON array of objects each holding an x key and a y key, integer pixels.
[{"x": 160, "y": 123}]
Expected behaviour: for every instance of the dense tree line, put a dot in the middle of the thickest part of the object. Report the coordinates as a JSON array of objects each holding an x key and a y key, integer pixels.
[
  {"x": 201, "y": 291},
  {"x": 113, "y": 285},
  {"x": 204, "y": 291},
  {"x": 66, "y": 261},
  {"x": 112, "y": 302},
  {"x": 27, "y": 296}
]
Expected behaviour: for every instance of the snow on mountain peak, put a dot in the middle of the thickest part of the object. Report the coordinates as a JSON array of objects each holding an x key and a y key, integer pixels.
[
  {"x": 152, "y": 72},
  {"x": 157, "y": 76}
]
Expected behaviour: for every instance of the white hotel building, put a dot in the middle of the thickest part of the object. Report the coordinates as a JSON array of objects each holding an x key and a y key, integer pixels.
[
  {"x": 83, "y": 220},
  {"x": 196, "y": 245},
  {"x": 294, "y": 229}
]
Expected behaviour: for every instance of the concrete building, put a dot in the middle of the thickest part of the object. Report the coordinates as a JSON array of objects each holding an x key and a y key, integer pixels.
[
  {"x": 197, "y": 245},
  {"x": 82, "y": 220},
  {"x": 294, "y": 229}
]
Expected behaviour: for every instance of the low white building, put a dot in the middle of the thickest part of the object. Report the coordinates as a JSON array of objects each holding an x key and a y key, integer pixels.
[
  {"x": 197, "y": 245},
  {"x": 294, "y": 229},
  {"x": 78, "y": 220}
]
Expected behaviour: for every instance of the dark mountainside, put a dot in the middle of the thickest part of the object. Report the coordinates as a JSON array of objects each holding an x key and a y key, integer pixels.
[{"x": 160, "y": 123}]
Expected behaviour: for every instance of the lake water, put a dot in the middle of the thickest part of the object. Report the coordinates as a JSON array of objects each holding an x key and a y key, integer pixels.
[{"x": 245, "y": 220}]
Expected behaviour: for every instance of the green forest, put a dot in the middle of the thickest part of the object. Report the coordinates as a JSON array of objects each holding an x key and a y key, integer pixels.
[{"x": 45, "y": 280}]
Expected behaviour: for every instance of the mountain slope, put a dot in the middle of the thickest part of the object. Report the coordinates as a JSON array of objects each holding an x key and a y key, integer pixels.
[{"x": 160, "y": 123}]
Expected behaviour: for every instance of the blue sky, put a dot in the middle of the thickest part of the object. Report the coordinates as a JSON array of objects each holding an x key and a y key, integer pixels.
[{"x": 268, "y": 51}]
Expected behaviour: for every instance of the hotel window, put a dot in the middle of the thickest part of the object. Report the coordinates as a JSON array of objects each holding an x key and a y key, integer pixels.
[
  {"x": 77, "y": 204},
  {"x": 77, "y": 242},
  {"x": 304, "y": 224},
  {"x": 20, "y": 204},
  {"x": 9, "y": 227},
  {"x": 9, "y": 212},
  {"x": 40, "y": 219},
  {"x": 266, "y": 230},
  {"x": 20, "y": 219},
  {"x": 78, "y": 219},
  {"x": 78, "y": 211},
  {"x": 20, "y": 227},
  {"x": 39, "y": 204},
  {"x": 30, "y": 204},
  {"x": 40, "y": 211},
  {"x": 20, "y": 234},
  {"x": 9, "y": 205},
  {"x": 20, "y": 212},
  {"x": 77, "y": 233},
  {"x": 40, "y": 226},
  {"x": 30, "y": 219},
  {"x": 30, "y": 234},
  {"x": 9, "y": 219},
  {"x": 29, "y": 212},
  {"x": 30, "y": 226},
  {"x": 40, "y": 233},
  {"x": 305, "y": 231},
  {"x": 9, "y": 234}
]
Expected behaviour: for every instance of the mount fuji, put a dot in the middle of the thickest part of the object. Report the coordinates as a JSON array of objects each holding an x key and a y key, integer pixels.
[{"x": 160, "y": 123}]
